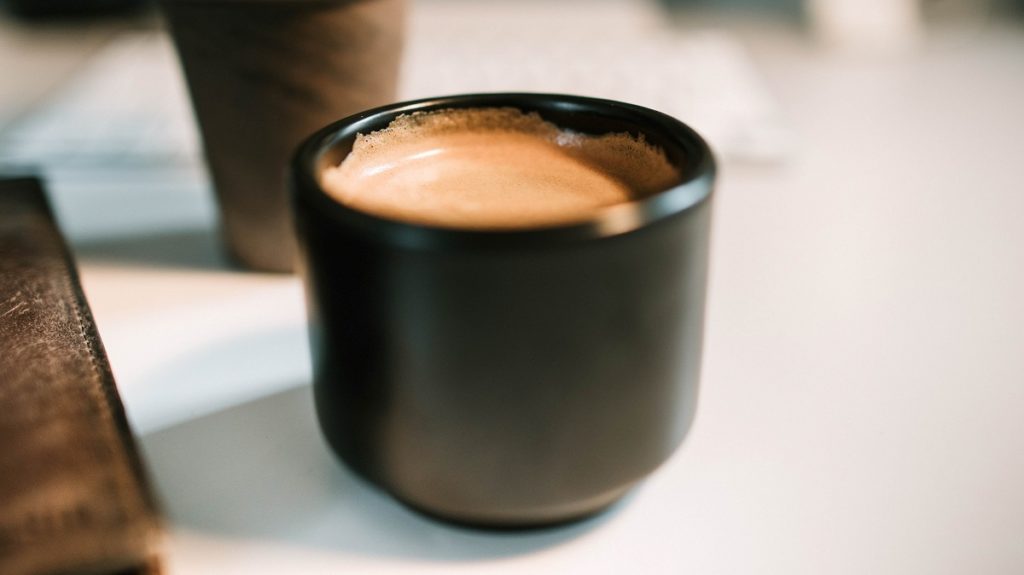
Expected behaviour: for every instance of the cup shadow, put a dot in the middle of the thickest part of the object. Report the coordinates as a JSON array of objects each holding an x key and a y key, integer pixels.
[{"x": 261, "y": 470}]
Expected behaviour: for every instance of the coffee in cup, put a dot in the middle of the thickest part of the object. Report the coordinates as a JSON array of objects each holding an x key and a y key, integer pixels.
[{"x": 493, "y": 168}]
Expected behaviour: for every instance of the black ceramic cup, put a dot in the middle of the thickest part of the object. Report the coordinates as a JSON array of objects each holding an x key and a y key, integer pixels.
[{"x": 508, "y": 378}]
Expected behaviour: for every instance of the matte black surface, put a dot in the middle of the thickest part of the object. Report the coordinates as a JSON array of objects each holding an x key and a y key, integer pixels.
[{"x": 508, "y": 378}]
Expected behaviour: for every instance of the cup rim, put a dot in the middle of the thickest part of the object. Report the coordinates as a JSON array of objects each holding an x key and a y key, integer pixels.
[{"x": 695, "y": 188}]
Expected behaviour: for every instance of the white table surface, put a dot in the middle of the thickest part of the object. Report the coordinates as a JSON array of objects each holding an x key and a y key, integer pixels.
[{"x": 862, "y": 404}]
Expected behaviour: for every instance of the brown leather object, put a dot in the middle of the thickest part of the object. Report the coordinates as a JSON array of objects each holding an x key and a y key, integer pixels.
[
  {"x": 73, "y": 495},
  {"x": 265, "y": 75}
]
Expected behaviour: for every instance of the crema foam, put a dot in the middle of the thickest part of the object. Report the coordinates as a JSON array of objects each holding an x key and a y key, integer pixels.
[{"x": 494, "y": 168}]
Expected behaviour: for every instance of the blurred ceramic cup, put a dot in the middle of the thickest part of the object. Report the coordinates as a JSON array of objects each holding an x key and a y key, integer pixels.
[
  {"x": 263, "y": 74},
  {"x": 513, "y": 377}
]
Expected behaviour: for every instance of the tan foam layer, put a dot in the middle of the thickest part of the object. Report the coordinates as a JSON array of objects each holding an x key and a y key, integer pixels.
[{"x": 493, "y": 168}]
